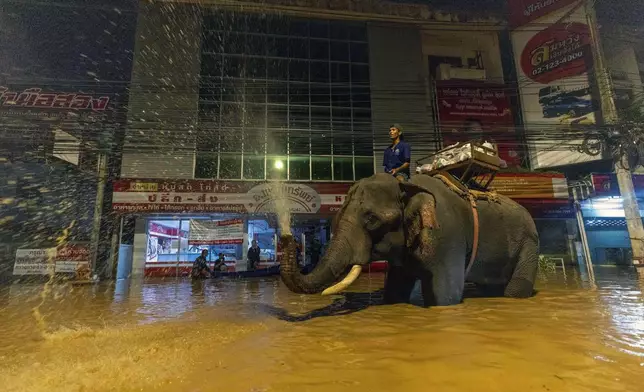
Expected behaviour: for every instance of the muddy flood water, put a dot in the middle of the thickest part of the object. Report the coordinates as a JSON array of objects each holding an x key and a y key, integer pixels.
[{"x": 254, "y": 335}]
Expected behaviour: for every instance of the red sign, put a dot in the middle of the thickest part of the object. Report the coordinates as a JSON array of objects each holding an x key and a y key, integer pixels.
[
  {"x": 469, "y": 110},
  {"x": 606, "y": 184},
  {"x": 35, "y": 98},
  {"x": 557, "y": 52},
  {"x": 73, "y": 252},
  {"x": 525, "y": 11}
]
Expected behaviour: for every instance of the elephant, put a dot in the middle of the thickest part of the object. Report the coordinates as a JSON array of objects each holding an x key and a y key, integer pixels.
[{"x": 424, "y": 228}]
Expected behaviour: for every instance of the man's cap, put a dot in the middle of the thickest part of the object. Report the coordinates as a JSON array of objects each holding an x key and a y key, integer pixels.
[{"x": 397, "y": 126}]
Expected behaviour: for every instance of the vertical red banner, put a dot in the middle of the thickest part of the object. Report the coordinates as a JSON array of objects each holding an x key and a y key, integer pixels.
[{"x": 468, "y": 110}]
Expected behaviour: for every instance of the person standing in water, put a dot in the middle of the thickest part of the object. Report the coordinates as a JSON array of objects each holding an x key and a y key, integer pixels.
[
  {"x": 253, "y": 255},
  {"x": 397, "y": 157}
]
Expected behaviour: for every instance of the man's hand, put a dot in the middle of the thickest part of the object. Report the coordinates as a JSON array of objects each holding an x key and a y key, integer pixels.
[{"x": 393, "y": 172}]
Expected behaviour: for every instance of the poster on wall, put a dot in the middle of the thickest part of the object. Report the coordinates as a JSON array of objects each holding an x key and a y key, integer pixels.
[
  {"x": 63, "y": 260},
  {"x": 71, "y": 256},
  {"x": 224, "y": 232},
  {"x": 552, "y": 67},
  {"x": 470, "y": 110}
]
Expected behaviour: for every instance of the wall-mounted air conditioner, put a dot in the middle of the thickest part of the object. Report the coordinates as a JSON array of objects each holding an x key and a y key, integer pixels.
[{"x": 447, "y": 72}]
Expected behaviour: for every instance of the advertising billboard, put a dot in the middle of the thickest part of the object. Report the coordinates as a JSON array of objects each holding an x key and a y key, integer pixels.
[
  {"x": 553, "y": 59},
  {"x": 469, "y": 110}
]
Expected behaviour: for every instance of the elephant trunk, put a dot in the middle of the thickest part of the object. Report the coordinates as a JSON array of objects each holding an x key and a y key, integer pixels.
[{"x": 329, "y": 270}]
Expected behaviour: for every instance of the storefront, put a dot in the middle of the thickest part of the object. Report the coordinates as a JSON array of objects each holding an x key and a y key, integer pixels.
[
  {"x": 176, "y": 220},
  {"x": 605, "y": 222}
]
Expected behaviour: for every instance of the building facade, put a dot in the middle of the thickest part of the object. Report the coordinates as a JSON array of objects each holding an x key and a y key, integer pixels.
[{"x": 225, "y": 103}]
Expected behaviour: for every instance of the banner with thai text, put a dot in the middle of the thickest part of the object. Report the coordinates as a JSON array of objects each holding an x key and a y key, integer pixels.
[
  {"x": 207, "y": 232},
  {"x": 553, "y": 60}
]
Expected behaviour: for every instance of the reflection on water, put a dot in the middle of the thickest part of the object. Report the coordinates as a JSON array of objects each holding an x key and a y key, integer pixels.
[{"x": 254, "y": 335}]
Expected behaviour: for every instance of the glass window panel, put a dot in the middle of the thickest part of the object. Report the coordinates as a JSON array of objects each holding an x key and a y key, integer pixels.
[
  {"x": 342, "y": 143},
  {"x": 255, "y": 116},
  {"x": 299, "y": 117},
  {"x": 208, "y": 139},
  {"x": 359, "y": 75},
  {"x": 298, "y": 93},
  {"x": 255, "y": 91},
  {"x": 340, "y": 96},
  {"x": 254, "y": 141},
  {"x": 319, "y": 72},
  {"x": 358, "y": 32},
  {"x": 298, "y": 70},
  {"x": 254, "y": 167},
  {"x": 231, "y": 115},
  {"x": 256, "y": 67},
  {"x": 213, "y": 42},
  {"x": 277, "y": 47},
  {"x": 320, "y": 118},
  {"x": 298, "y": 48},
  {"x": 339, "y": 51},
  {"x": 321, "y": 168},
  {"x": 209, "y": 111},
  {"x": 232, "y": 90},
  {"x": 319, "y": 49},
  {"x": 364, "y": 167},
  {"x": 230, "y": 166},
  {"x": 299, "y": 27},
  {"x": 277, "y": 116},
  {"x": 363, "y": 145},
  {"x": 229, "y": 140},
  {"x": 361, "y": 97},
  {"x": 320, "y": 94},
  {"x": 339, "y": 30},
  {"x": 234, "y": 43},
  {"x": 256, "y": 45},
  {"x": 256, "y": 23},
  {"x": 342, "y": 168},
  {"x": 319, "y": 29},
  {"x": 298, "y": 142},
  {"x": 210, "y": 91},
  {"x": 276, "y": 142},
  {"x": 277, "y": 69},
  {"x": 277, "y": 24},
  {"x": 233, "y": 66},
  {"x": 362, "y": 120},
  {"x": 211, "y": 65},
  {"x": 359, "y": 52},
  {"x": 320, "y": 142},
  {"x": 340, "y": 74},
  {"x": 277, "y": 92},
  {"x": 299, "y": 167},
  {"x": 206, "y": 166},
  {"x": 276, "y": 167}
]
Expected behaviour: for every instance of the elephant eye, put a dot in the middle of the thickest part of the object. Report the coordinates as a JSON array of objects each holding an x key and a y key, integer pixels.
[{"x": 372, "y": 221}]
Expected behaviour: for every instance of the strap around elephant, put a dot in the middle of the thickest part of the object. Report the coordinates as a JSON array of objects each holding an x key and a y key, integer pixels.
[{"x": 475, "y": 240}]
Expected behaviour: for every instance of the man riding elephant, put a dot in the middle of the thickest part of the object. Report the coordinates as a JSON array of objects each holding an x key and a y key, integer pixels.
[{"x": 427, "y": 229}]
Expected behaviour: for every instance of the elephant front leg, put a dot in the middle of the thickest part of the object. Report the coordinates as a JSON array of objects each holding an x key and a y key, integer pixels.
[
  {"x": 399, "y": 284},
  {"x": 443, "y": 285}
]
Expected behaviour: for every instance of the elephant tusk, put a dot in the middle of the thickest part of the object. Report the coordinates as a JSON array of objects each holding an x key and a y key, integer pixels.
[{"x": 344, "y": 283}]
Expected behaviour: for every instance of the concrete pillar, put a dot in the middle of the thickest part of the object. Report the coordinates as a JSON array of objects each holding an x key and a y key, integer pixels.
[
  {"x": 398, "y": 90},
  {"x": 139, "y": 247},
  {"x": 164, "y": 93}
]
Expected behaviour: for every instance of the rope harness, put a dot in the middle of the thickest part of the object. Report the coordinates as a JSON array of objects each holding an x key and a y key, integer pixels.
[{"x": 472, "y": 196}]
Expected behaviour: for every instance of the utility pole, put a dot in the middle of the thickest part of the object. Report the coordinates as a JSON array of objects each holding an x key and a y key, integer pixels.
[{"x": 620, "y": 162}]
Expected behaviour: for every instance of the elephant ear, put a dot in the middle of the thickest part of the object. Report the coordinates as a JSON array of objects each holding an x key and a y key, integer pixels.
[{"x": 420, "y": 217}]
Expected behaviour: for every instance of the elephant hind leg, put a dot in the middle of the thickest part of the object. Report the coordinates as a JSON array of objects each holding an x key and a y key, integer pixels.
[
  {"x": 398, "y": 285},
  {"x": 521, "y": 284}
]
